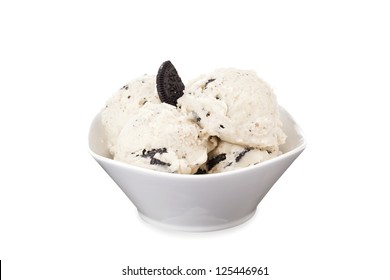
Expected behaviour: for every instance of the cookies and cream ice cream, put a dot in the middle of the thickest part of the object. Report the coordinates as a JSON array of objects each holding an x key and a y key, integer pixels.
[
  {"x": 227, "y": 156},
  {"x": 222, "y": 121},
  {"x": 237, "y": 106},
  {"x": 125, "y": 104},
  {"x": 159, "y": 137}
]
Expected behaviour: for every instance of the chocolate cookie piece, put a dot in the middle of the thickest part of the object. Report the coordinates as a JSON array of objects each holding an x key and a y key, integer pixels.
[
  {"x": 215, "y": 160},
  {"x": 169, "y": 85},
  {"x": 242, "y": 154},
  {"x": 151, "y": 153}
]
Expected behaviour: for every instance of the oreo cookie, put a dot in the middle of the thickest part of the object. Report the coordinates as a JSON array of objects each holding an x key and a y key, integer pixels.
[{"x": 169, "y": 85}]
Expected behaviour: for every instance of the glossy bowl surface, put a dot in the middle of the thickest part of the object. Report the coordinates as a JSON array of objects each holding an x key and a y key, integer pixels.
[{"x": 198, "y": 202}]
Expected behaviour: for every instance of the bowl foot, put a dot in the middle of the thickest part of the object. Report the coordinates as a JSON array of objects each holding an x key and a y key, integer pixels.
[{"x": 196, "y": 228}]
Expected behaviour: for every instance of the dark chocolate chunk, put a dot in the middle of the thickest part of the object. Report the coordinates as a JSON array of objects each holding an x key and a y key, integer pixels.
[
  {"x": 215, "y": 160},
  {"x": 169, "y": 85},
  {"x": 153, "y": 152},
  {"x": 200, "y": 171},
  {"x": 155, "y": 161},
  {"x": 242, "y": 154},
  {"x": 206, "y": 84}
]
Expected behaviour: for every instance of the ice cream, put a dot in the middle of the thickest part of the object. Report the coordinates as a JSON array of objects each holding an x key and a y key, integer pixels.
[
  {"x": 159, "y": 137},
  {"x": 225, "y": 120},
  {"x": 125, "y": 104},
  {"x": 227, "y": 156},
  {"x": 237, "y": 106}
]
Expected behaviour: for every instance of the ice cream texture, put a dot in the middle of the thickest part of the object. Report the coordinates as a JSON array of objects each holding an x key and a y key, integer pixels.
[
  {"x": 237, "y": 106},
  {"x": 227, "y": 156},
  {"x": 225, "y": 120},
  {"x": 159, "y": 137},
  {"x": 125, "y": 103}
]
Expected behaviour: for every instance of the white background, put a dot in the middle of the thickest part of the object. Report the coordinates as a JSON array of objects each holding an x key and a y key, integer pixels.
[{"x": 62, "y": 217}]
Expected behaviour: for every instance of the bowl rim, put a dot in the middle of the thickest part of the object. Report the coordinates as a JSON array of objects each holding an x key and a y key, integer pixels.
[{"x": 301, "y": 146}]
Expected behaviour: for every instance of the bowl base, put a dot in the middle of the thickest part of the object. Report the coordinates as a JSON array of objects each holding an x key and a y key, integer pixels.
[{"x": 196, "y": 228}]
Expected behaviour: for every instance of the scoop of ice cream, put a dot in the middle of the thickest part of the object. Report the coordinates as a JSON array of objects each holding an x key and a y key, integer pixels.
[
  {"x": 228, "y": 157},
  {"x": 237, "y": 106},
  {"x": 161, "y": 138},
  {"x": 125, "y": 103},
  {"x": 231, "y": 107}
]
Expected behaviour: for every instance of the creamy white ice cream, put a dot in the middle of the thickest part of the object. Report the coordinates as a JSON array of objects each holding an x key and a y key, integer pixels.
[
  {"x": 228, "y": 157},
  {"x": 237, "y": 106},
  {"x": 161, "y": 138},
  {"x": 125, "y": 104},
  {"x": 225, "y": 120}
]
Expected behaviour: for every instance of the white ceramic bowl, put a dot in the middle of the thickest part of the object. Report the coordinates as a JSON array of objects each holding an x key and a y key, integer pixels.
[{"x": 198, "y": 202}]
